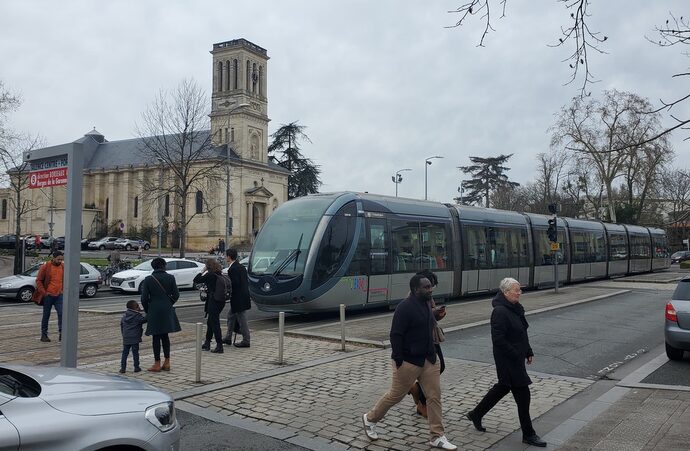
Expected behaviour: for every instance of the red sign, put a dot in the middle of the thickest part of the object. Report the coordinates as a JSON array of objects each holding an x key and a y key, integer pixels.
[{"x": 47, "y": 178}]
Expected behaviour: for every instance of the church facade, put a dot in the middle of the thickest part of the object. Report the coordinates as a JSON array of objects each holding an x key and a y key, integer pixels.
[{"x": 115, "y": 171}]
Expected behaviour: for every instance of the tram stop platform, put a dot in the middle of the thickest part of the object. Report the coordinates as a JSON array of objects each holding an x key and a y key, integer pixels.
[{"x": 316, "y": 396}]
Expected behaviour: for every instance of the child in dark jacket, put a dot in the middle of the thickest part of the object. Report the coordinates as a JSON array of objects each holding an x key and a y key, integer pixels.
[{"x": 132, "y": 330}]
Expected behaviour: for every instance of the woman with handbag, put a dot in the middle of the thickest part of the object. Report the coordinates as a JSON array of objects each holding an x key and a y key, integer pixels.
[{"x": 158, "y": 294}]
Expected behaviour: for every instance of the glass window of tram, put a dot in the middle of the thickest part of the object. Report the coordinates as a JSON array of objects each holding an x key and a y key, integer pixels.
[{"x": 335, "y": 244}]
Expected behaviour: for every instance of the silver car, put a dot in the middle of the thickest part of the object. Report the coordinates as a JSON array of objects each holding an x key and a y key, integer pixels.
[
  {"x": 67, "y": 409},
  {"x": 677, "y": 329},
  {"x": 22, "y": 286}
]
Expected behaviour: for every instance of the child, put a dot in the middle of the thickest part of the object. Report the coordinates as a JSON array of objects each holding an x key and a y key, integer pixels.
[{"x": 132, "y": 330}]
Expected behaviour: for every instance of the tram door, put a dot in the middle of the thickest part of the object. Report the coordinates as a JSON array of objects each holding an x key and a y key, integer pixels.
[{"x": 379, "y": 265}]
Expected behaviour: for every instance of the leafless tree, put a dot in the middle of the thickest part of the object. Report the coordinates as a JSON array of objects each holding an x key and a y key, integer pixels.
[
  {"x": 674, "y": 189},
  {"x": 175, "y": 132}
]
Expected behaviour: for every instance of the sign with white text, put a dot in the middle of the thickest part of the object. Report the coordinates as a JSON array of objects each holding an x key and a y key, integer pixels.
[{"x": 48, "y": 178}]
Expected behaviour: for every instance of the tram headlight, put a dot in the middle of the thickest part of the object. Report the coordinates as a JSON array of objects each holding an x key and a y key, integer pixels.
[{"x": 266, "y": 287}]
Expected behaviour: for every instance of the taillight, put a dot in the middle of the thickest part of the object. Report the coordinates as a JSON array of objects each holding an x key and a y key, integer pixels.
[{"x": 671, "y": 313}]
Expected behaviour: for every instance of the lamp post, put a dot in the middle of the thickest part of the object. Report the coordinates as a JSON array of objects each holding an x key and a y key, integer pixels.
[
  {"x": 160, "y": 206},
  {"x": 427, "y": 162},
  {"x": 227, "y": 180},
  {"x": 397, "y": 178}
]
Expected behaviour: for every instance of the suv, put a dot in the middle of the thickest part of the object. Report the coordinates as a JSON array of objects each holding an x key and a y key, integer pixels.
[
  {"x": 107, "y": 242},
  {"x": 132, "y": 243},
  {"x": 680, "y": 256},
  {"x": 677, "y": 326}
]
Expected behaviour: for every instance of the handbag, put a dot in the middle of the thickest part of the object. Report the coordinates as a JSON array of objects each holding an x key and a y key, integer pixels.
[
  {"x": 172, "y": 301},
  {"x": 439, "y": 335}
]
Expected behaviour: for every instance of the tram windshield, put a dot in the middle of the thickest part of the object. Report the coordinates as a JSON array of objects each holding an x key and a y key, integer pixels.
[{"x": 281, "y": 247}]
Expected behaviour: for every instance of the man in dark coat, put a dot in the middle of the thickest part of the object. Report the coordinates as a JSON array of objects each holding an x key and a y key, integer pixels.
[
  {"x": 240, "y": 301},
  {"x": 414, "y": 358},
  {"x": 511, "y": 350}
]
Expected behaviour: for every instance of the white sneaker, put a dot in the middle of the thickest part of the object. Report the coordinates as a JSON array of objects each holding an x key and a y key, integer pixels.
[
  {"x": 370, "y": 428},
  {"x": 443, "y": 443}
]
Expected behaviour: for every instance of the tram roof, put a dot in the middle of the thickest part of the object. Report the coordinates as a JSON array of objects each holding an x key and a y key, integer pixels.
[
  {"x": 388, "y": 204},
  {"x": 472, "y": 213},
  {"x": 637, "y": 229},
  {"x": 584, "y": 224}
]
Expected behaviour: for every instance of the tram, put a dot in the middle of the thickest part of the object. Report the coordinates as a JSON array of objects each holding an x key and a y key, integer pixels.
[{"x": 361, "y": 250}]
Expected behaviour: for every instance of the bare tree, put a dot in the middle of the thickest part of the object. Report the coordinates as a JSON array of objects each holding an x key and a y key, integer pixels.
[
  {"x": 15, "y": 175},
  {"x": 674, "y": 189},
  {"x": 602, "y": 134},
  {"x": 175, "y": 132}
]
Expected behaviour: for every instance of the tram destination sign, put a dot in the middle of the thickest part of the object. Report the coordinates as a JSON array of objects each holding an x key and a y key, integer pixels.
[{"x": 47, "y": 173}]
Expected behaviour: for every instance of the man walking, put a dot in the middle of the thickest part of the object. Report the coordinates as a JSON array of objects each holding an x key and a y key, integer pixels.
[
  {"x": 414, "y": 358},
  {"x": 49, "y": 286},
  {"x": 239, "y": 300}
]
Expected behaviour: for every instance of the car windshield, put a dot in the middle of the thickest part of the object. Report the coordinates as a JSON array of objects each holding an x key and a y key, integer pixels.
[
  {"x": 31, "y": 272},
  {"x": 292, "y": 224},
  {"x": 682, "y": 292},
  {"x": 144, "y": 266}
]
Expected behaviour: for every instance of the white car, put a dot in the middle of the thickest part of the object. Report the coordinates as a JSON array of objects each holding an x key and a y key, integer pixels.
[
  {"x": 65, "y": 409},
  {"x": 130, "y": 280},
  {"x": 22, "y": 286}
]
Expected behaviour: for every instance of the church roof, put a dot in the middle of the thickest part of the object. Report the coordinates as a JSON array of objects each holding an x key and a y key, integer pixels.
[{"x": 100, "y": 153}]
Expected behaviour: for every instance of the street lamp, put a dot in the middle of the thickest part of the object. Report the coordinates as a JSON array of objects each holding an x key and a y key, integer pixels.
[
  {"x": 227, "y": 180},
  {"x": 397, "y": 178},
  {"x": 427, "y": 162},
  {"x": 160, "y": 205}
]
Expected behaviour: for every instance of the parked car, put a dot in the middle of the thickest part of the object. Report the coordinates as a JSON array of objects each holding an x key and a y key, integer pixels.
[
  {"x": 7, "y": 242},
  {"x": 22, "y": 286},
  {"x": 677, "y": 327},
  {"x": 30, "y": 241},
  {"x": 65, "y": 409},
  {"x": 132, "y": 243},
  {"x": 85, "y": 244},
  {"x": 60, "y": 241},
  {"x": 680, "y": 256},
  {"x": 107, "y": 242},
  {"x": 182, "y": 269}
]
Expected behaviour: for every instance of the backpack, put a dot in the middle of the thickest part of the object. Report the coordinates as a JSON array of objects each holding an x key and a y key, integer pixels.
[{"x": 223, "y": 288}]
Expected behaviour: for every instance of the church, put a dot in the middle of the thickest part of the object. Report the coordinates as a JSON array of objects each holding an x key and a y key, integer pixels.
[{"x": 114, "y": 193}]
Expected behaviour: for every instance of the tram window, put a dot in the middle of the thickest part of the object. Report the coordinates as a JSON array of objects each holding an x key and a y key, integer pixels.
[
  {"x": 542, "y": 248},
  {"x": 618, "y": 247},
  {"x": 434, "y": 248},
  {"x": 660, "y": 246},
  {"x": 359, "y": 265},
  {"x": 475, "y": 255},
  {"x": 379, "y": 247},
  {"x": 640, "y": 246},
  {"x": 588, "y": 247},
  {"x": 334, "y": 245},
  {"x": 405, "y": 246},
  {"x": 517, "y": 247}
]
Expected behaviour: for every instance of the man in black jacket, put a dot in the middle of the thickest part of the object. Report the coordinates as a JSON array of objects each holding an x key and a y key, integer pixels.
[
  {"x": 414, "y": 358},
  {"x": 239, "y": 299}
]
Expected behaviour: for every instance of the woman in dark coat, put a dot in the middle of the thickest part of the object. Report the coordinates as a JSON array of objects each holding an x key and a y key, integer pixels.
[
  {"x": 511, "y": 350},
  {"x": 212, "y": 277},
  {"x": 158, "y": 294}
]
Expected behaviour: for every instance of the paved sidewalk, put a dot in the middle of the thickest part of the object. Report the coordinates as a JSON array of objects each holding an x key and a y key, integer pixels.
[{"x": 316, "y": 397}]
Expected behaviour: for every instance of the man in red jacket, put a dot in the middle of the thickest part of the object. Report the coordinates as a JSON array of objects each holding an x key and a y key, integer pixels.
[{"x": 49, "y": 287}]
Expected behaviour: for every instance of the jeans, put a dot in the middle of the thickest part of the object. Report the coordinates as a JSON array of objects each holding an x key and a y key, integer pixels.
[
  {"x": 241, "y": 318},
  {"x": 125, "y": 354},
  {"x": 48, "y": 302}
]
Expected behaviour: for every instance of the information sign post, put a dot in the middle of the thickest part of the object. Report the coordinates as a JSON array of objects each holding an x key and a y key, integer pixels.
[{"x": 48, "y": 170}]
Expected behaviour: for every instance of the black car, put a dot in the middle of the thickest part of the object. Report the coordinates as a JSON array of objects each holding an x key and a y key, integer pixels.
[{"x": 680, "y": 256}]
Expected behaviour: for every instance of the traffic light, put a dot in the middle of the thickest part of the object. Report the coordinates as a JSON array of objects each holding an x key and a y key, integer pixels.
[{"x": 552, "y": 231}]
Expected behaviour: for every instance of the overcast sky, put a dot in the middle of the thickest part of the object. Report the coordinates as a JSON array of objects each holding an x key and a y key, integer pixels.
[{"x": 380, "y": 85}]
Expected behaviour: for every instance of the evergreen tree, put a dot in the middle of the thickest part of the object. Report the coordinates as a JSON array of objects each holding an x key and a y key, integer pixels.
[
  {"x": 488, "y": 175},
  {"x": 285, "y": 151}
]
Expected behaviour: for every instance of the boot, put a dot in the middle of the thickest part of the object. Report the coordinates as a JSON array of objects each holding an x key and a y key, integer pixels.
[
  {"x": 206, "y": 346},
  {"x": 218, "y": 349},
  {"x": 156, "y": 368},
  {"x": 166, "y": 364},
  {"x": 44, "y": 338}
]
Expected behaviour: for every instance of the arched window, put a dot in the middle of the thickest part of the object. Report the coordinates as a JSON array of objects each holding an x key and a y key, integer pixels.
[
  {"x": 235, "y": 70},
  {"x": 249, "y": 75},
  {"x": 107, "y": 204},
  {"x": 255, "y": 77},
  {"x": 136, "y": 206},
  {"x": 232, "y": 134},
  {"x": 4, "y": 209},
  {"x": 167, "y": 205},
  {"x": 261, "y": 78},
  {"x": 219, "y": 76},
  {"x": 227, "y": 76},
  {"x": 199, "y": 202}
]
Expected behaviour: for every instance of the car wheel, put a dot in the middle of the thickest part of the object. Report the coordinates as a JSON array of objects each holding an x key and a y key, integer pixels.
[
  {"x": 25, "y": 294},
  {"x": 673, "y": 353},
  {"x": 90, "y": 290},
  {"x": 146, "y": 247},
  {"x": 101, "y": 247}
]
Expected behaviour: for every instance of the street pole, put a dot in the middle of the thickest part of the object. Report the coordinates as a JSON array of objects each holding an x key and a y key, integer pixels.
[
  {"x": 397, "y": 178},
  {"x": 161, "y": 199},
  {"x": 427, "y": 162}
]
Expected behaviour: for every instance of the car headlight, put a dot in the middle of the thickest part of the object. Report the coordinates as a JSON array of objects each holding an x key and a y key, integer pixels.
[
  {"x": 162, "y": 416},
  {"x": 127, "y": 279}
]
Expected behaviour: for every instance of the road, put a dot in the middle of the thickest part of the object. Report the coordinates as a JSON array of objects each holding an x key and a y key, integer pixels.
[{"x": 588, "y": 340}]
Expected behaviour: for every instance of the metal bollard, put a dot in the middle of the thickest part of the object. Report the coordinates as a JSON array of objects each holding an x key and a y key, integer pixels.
[
  {"x": 199, "y": 327},
  {"x": 342, "y": 327},
  {"x": 281, "y": 332}
]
